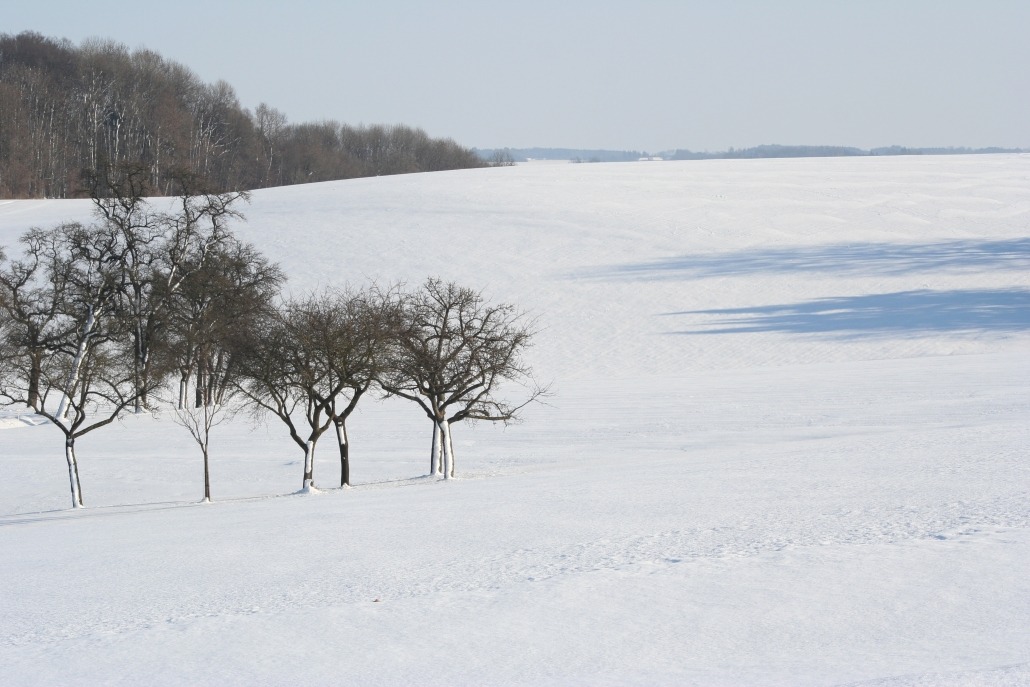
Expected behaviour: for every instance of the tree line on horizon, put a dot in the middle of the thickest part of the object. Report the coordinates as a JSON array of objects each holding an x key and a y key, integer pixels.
[
  {"x": 795, "y": 151},
  {"x": 147, "y": 308},
  {"x": 756, "y": 152},
  {"x": 66, "y": 108}
]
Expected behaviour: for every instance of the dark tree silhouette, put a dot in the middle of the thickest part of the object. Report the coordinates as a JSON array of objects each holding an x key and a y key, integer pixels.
[{"x": 451, "y": 357}]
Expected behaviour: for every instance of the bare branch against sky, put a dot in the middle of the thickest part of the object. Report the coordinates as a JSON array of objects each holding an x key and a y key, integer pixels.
[{"x": 624, "y": 74}]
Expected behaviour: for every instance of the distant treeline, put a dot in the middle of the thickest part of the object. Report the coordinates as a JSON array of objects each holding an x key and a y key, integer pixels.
[
  {"x": 762, "y": 151},
  {"x": 574, "y": 154},
  {"x": 67, "y": 108},
  {"x": 774, "y": 151}
]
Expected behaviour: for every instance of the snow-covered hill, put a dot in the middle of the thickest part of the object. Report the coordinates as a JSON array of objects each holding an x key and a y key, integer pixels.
[{"x": 787, "y": 446}]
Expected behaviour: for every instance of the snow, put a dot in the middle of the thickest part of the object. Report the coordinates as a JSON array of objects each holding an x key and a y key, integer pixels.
[{"x": 787, "y": 447}]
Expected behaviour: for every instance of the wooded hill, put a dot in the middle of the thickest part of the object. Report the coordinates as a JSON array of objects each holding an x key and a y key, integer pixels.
[{"x": 67, "y": 108}]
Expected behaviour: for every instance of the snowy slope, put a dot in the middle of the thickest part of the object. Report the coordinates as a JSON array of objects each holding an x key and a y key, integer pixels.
[{"x": 787, "y": 446}]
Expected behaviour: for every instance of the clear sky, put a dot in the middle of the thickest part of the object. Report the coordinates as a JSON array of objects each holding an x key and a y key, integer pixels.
[{"x": 647, "y": 75}]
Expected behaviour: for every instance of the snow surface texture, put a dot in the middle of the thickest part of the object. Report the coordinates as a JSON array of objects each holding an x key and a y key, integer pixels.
[{"x": 788, "y": 446}]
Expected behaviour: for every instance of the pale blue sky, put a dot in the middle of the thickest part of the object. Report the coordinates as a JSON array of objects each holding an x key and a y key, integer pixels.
[{"x": 645, "y": 75}]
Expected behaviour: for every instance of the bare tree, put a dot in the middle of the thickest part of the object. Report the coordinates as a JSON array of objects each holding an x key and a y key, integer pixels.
[
  {"x": 104, "y": 389},
  {"x": 271, "y": 130},
  {"x": 118, "y": 193},
  {"x": 452, "y": 355},
  {"x": 85, "y": 377},
  {"x": 31, "y": 306},
  {"x": 215, "y": 314},
  {"x": 502, "y": 158},
  {"x": 349, "y": 333},
  {"x": 278, "y": 377},
  {"x": 157, "y": 251},
  {"x": 213, "y": 317},
  {"x": 316, "y": 358},
  {"x": 199, "y": 420}
]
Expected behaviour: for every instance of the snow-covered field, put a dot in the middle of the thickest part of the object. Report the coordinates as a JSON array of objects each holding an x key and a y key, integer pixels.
[{"x": 788, "y": 446}]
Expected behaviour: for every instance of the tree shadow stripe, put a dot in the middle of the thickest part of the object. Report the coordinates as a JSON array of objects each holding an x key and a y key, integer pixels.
[
  {"x": 841, "y": 258},
  {"x": 903, "y": 312}
]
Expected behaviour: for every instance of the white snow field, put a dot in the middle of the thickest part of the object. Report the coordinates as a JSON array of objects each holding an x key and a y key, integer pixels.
[{"x": 788, "y": 445}]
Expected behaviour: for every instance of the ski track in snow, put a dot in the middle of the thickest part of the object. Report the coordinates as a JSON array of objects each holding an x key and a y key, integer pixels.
[{"x": 959, "y": 523}]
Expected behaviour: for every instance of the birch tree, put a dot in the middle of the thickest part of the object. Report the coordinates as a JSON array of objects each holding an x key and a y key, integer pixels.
[{"x": 452, "y": 355}]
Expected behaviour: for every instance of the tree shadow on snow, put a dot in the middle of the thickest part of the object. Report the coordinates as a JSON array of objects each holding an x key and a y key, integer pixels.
[
  {"x": 840, "y": 259},
  {"x": 904, "y": 312}
]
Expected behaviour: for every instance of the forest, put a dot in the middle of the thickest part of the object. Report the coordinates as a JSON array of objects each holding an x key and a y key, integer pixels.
[{"x": 67, "y": 108}]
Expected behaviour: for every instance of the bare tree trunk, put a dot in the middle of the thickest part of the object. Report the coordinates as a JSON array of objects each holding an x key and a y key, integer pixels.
[
  {"x": 341, "y": 437},
  {"x": 202, "y": 371},
  {"x": 143, "y": 384},
  {"x": 73, "y": 471},
  {"x": 35, "y": 373},
  {"x": 309, "y": 466},
  {"x": 73, "y": 374},
  {"x": 137, "y": 373},
  {"x": 207, "y": 476},
  {"x": 448, "y": 450},
  {"x": 434, "y": 454}
]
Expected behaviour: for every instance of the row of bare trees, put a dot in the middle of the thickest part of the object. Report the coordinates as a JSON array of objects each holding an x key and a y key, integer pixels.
[
  {"x": 148, "y": 304},
  {"x": 442, "y": 346},
  {"x": 64, "y": 108}
]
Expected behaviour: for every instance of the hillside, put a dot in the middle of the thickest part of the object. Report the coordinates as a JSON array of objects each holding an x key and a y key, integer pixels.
[{"x": 786, "y": 447}]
